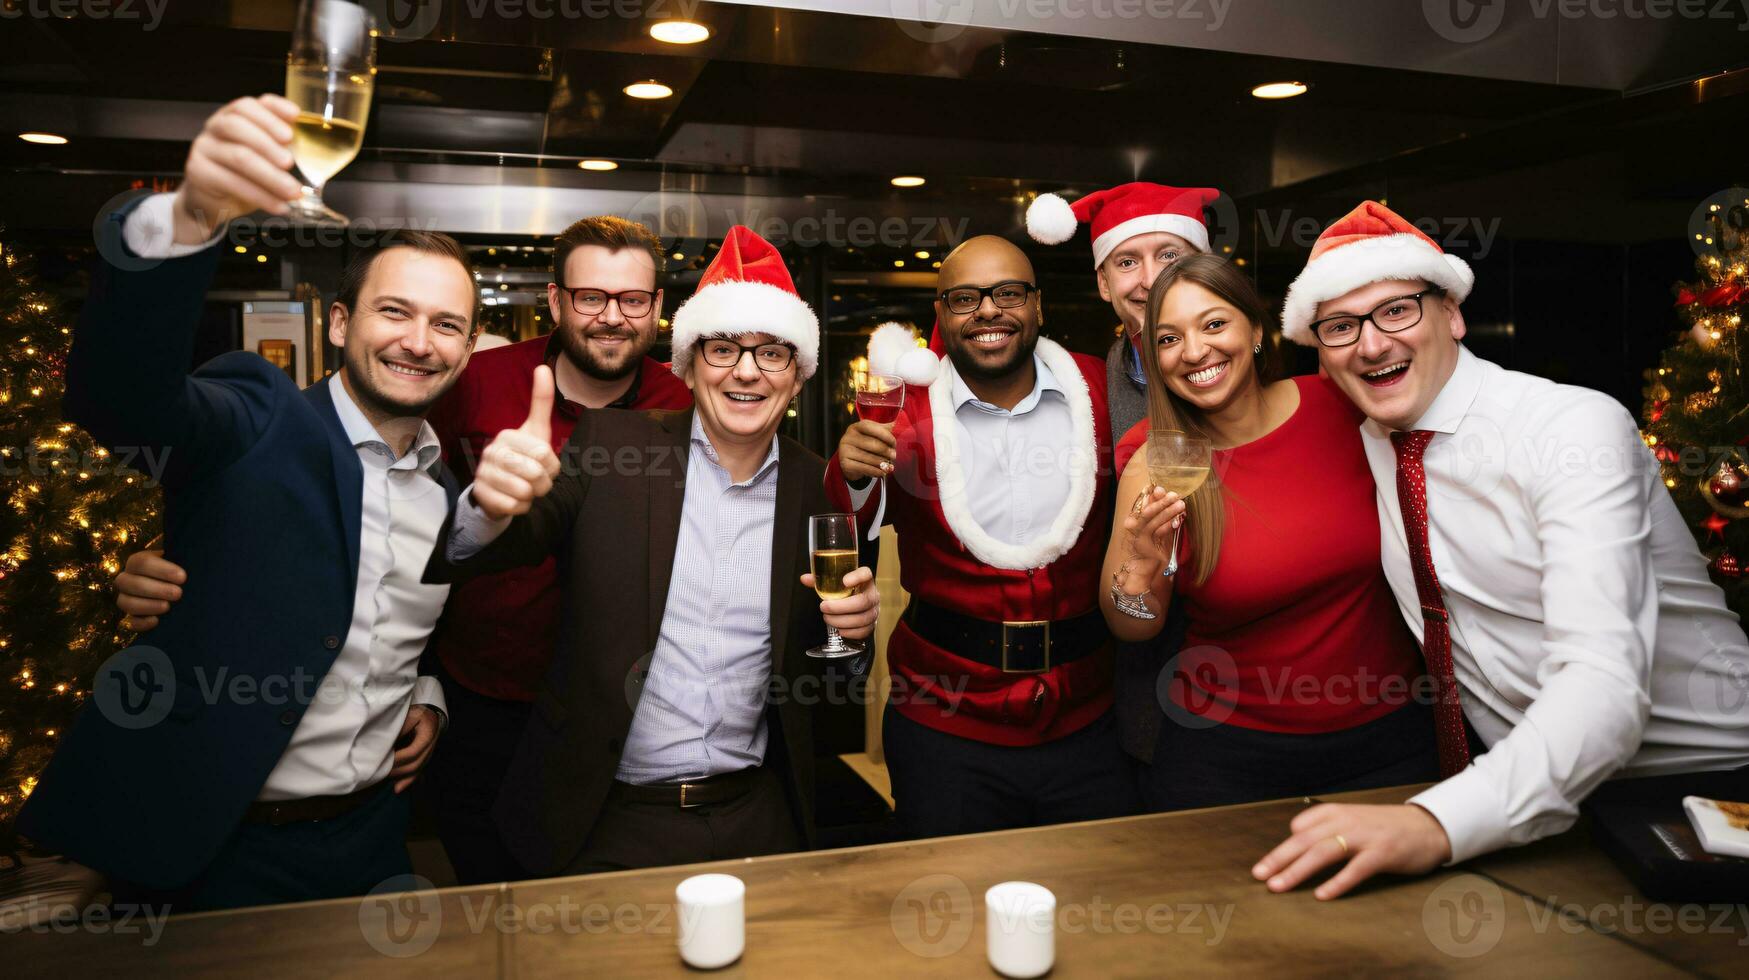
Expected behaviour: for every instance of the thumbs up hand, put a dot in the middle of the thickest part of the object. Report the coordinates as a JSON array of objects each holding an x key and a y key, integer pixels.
[{"x": 519, "y": 464}]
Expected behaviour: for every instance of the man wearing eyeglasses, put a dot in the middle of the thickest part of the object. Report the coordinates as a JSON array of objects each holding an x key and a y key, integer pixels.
[
  {"x": 997, "y": 478},
  {"x": 1567, "y": 619}
]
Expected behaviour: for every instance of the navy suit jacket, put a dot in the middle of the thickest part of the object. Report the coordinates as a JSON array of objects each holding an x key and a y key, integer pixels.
[{"x": 262, "y": 498}]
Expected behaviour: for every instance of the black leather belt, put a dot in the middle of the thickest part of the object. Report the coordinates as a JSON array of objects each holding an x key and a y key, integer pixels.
[
  {"x": 1031, "y": 647},
  {"x": 721, "y": 788},
  {"x": 277, "y": 813}
]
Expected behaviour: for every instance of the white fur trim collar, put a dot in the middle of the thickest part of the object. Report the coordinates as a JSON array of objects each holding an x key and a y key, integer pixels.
[{"x": 1083, "y": 460}]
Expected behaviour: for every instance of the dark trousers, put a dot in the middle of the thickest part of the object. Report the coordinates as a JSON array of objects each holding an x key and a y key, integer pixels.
[
  {"x": 263, "y": 864},
  {"x": 462, "y": 779},
  {"x": 1222, "y": 765},
  {"x": 945, "y": 784},
  {"x": 629, "y": 834}
]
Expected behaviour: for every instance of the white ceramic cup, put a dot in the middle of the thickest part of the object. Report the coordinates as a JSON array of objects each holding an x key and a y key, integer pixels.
[
  {"x": 1020, "y": 929},
  {"x": 713, "y": 926}
]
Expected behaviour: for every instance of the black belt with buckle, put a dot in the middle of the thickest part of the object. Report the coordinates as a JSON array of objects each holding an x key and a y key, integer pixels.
[
  {"x": 721, "y": 788},
  {"x": 1030, "y": 647},
  {"x": 278, "y": 813}
]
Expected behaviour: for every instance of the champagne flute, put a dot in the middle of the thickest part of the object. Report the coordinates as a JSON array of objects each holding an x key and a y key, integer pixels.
[
  {"x": 1178, "y": 463},
  {"x": 832, "y": 543},
  {"x": 329, "y": 75},
  {"x": 879, "y": 398}
]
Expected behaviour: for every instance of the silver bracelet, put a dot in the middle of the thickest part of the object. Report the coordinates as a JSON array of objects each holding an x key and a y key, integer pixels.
[{"x": 1133, "y": 606}]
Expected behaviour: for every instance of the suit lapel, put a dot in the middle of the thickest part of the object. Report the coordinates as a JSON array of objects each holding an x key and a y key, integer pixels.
[
  {"x": 784, "y": 573},
  {"x": 667, "y": 494},
  {"x": 348, "y": 471}
]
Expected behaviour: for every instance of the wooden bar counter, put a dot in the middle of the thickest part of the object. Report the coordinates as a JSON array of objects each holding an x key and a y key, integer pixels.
[{"x": 1166, "y": 894}]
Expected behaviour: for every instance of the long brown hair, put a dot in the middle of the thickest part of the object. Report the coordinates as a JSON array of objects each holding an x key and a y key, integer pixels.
[{"x": 1205, "y": 522}]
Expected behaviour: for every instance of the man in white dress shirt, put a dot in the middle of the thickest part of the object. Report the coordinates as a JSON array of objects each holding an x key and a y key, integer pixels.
[
  {"x": 1569, "y": 626},
  {"x": 255, "y": 752}
]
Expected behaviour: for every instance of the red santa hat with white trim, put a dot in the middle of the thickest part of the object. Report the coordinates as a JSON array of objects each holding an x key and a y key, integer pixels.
[
  {"x": 1120, "y": 213},
  {"x": 1370, "y": 244},
  {"x": 746, "y": 289}
]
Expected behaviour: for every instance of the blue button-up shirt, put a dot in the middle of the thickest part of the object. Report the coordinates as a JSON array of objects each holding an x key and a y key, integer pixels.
[{"x": 703, "y": 707}]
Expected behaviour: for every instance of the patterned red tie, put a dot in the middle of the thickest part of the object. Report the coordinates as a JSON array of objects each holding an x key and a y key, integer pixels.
[{"x": 1448, "y": 714}]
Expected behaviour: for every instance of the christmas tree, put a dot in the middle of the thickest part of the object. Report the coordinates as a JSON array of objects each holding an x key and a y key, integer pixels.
[
  {"x": 71, "y": 515},
  {"x": 1697, "y": 407}
]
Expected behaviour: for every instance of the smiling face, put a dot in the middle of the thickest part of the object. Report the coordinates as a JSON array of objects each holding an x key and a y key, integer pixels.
[
  {"x": 990, "y": 342},
  {"x": 1204, "y": 347},
  {"x": 608, "y": 345},
  {"x": 1127, "y": 273},
  {"x": 1394, "y": 377},
  {"x": 409, "y": 333},
  {"x": 741, "y": 403}
]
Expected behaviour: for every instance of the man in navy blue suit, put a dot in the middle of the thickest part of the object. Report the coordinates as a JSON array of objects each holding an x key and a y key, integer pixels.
[{"x": 257, "y": 750}]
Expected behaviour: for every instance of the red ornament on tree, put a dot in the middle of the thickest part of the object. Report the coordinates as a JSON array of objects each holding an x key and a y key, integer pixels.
[
  {"x": 1715, "y": 524},
  {"x": 1725, "y": 565},
  {"x": 1684, "y": 296},
  {"x": 1724, "y": 294}
]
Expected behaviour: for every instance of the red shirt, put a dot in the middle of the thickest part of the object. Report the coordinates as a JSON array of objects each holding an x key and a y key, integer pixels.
[
  {"x": 498, "y": 632},
  {"x": 1296, "y": 629}
]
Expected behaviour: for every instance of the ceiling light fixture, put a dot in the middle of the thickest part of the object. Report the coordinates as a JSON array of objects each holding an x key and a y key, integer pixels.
[
  {"x": 47, "y": 139},
  {"x": 679, "y": 32},
  {"x": 649, "y": 89},
  {"x": 1279, "y": 90},
  {"x": 907, "y": 181},
  {"x": 600, "y": 165}
]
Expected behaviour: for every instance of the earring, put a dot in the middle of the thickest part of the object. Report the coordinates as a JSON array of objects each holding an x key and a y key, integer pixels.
[{"x": 1258, "y": 349}]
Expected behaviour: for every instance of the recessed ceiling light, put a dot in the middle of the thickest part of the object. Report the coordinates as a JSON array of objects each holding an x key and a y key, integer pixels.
[
  {"x": 907, "y": 181},
  {"x": 651, "y": 89},
  {"x": 1279, "y": 90},
  {"x": 679, "y": 32},
  {"x": 47, "y": 139},
  {"x": 922, "y": 254},
  {"x": 598, "y": 165}
]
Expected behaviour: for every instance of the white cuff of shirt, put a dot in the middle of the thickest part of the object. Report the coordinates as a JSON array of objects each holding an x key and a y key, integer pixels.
[
  {"x": 428, "y": 691},
  {"x": 472, "y": 530},
  {"x": 149, "y": 230},
  {"x": 1472, "y": 814}
]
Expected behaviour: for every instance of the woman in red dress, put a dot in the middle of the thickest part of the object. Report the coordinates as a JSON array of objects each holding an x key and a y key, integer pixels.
[{"x": 1297, "y": 674}]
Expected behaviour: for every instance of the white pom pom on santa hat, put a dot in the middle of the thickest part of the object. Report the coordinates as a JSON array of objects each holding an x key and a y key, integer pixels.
[
  {"x": 893, "y": 350},
  {"x": 1050, "y": 220}
]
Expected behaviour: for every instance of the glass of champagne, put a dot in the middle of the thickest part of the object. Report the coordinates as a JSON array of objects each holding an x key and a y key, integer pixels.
[
  {"x": 1178, "y": 463},
  {"x": 329, "y": 75},
  {"x": 879, "y": 398},
  {"x": 832, "y": 543}
]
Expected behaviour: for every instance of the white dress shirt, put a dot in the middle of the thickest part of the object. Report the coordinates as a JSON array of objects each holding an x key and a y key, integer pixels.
[
  {"x": 345, "y": 740},
  {"x": 702, "y": 709},
  {"x": 1015, "y": 459},
  {"x": 1587, "y": 640}
]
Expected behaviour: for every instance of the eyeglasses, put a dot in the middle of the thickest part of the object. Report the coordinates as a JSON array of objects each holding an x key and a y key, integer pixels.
[
  {"x": 1391, "y": 316},
  {"x": 721, "y": 353},
  {"x": 590, "y": 302},
  {"x": 961, "y": 300}
]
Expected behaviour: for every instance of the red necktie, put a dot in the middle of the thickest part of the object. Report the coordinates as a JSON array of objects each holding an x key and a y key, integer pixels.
[{"x": 1448, "y": 714}]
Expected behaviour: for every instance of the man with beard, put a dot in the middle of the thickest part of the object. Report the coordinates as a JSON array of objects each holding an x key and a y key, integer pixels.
[
  {"x": 206, "y": 772},
  {"x": 498, "y": 632},
  {"x": 997, "y": 477}
]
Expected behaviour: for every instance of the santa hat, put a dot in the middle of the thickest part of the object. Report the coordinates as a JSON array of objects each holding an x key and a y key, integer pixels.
[
  {"x": 893, "y": 350},
  {"x": 1121, "y": 213},
  {"x": 1370, "y": 244},
  {"x": 746, "y": 289}
]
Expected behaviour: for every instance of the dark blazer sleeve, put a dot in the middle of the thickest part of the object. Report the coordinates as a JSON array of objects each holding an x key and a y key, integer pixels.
[
  {"x": 532, "y": 537},
  {"x": 128, "y": 378}
]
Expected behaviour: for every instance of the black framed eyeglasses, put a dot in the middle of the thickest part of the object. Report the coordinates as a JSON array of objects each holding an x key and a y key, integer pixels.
[
  {"x": 961, "y": 300},
  {"x": 1392, "y": 316},
  {"x": 771, "y": 358},
  {"x": 590, "y": 302}
]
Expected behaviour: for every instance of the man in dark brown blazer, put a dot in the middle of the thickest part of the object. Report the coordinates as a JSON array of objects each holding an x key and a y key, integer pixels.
[{"x": 674, "y": 725}]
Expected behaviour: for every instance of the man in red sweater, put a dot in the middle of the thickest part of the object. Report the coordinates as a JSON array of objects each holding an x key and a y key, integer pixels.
[
  {"x": 997, "y": 477},
  {"x": 497, "y": 635}
]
